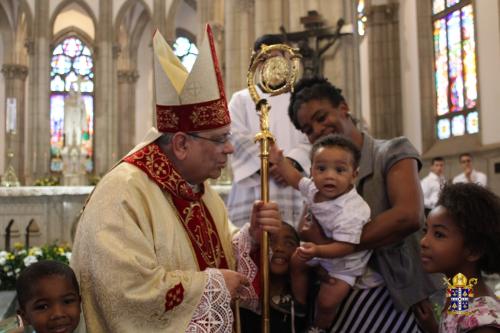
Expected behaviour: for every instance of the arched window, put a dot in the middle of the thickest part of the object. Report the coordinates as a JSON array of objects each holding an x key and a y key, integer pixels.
[
  {"x": 186, "y": 50},
  {"x": 71, "y": 75},
  {"x": 455, "y": 68}
]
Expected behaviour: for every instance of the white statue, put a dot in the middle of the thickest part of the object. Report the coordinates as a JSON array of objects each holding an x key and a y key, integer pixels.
[
  {"x": 75, "y": 117},
  {"x": 75, "y": 123}
]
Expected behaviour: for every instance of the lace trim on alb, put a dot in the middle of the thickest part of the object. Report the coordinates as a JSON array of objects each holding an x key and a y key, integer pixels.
[
  {"x": 213, "y": 314},
  {"x": 242, "y": 245}
]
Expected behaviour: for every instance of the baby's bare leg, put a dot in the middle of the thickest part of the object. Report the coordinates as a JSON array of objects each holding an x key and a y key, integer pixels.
[{"x": 329, "y": 297}]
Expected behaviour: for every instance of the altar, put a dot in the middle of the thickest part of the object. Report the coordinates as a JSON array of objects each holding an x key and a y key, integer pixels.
[{"x": 38, "y": 215}]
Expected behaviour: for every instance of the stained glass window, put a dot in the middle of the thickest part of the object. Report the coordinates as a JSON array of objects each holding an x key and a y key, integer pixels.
[
  {"x": 361, "y": 17},
  {"x": 72, "y": 86},
  {"x": 455, "y": 73},
  {"x": 186, "y": 50}
]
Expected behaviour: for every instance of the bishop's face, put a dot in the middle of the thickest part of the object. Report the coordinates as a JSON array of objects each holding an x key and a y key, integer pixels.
[{"x": 208, "y": 154}]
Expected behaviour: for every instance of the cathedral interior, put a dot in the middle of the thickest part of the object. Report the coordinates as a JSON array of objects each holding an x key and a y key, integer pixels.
[{"x": 427, "y": 70}]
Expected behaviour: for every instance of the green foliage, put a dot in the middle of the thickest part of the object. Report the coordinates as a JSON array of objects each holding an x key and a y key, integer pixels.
[
  {"x": 48, "y": 181},
  {"x": 14, "y": 262}
]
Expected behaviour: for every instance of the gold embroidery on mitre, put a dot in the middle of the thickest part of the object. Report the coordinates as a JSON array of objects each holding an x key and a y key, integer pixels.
[
  {"x": 168, "y": 118},
  {"x": 215, "y": 114}
]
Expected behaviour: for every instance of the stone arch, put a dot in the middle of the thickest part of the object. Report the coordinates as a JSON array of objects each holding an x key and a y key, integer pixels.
[
  {"x": 170, "y": 20},
  {"x": 72, "y": 31},
  {"x": 6, "y": 35},
  {"x": 32, "y": 230},
  {"x": 11, "y": 231},
  {"x": 181, "y": 32},
  {"x": 129, "y": 48},
  {"x": 126, "y": 7},
  {"x": 64, "y": 4},
  {"x": 24, "y": 34}
]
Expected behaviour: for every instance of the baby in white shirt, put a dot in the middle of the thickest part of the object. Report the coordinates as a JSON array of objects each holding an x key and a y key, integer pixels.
[{"x": 334, "y": 202}]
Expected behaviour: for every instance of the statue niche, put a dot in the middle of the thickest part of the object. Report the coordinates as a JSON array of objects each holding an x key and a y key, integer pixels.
[{"x": 75, "y": 124}]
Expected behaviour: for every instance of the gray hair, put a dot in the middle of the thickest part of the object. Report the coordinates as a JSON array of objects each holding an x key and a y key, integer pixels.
[{"x": 165, "y": 139}]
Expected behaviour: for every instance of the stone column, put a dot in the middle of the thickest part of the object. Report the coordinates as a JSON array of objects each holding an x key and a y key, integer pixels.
[
  {"x": 268, "y": 16},
  {"x": 239, "y": 39},
  {"x": 212, "y": 12},
  {"x": 15, "y": 77},
  {"x": 105, "y": 117},
  {"x": 126, "y": 110},
  {"x": 385, "y": 71},
  {"x": 38, "y": 128}
]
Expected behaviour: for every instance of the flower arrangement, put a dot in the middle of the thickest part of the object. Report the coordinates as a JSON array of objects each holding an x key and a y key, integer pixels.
[
  {"x": 48, "y": 181},
  {"x": 14, "y": 262}
]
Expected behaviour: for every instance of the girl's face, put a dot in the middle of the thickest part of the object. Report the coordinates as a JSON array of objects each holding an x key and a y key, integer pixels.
[
  {"x": 442, "y": 246},
  {"x": 283, "y": 245},
  {"x": 54, "y": 306}
]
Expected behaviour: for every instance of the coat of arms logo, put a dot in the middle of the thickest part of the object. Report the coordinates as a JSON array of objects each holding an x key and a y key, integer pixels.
[{"x": 459, "y": 293}]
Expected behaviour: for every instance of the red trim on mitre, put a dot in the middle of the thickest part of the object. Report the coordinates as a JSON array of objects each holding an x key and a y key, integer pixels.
[
  {"x": 192, "y": 117},
  {"x": 218, "y": 73},
  {"x": 198, "y": 116}
]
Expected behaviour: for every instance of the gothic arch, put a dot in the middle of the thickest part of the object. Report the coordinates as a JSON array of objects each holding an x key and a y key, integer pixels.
[
  {"x": 72, "y": 31},
  {"x": 129, "y": 48},
  {"x": 126, "y": 7},
  {"x": 6, "y": 35},
  {"x": 24, "y": 30},
  {"x": 64, "y": 4},
  {"x": 170, "y": 20}
]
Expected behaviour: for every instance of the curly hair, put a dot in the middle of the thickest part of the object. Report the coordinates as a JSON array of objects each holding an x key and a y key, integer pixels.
[
  {"x": 308, "y": 89},
  {"x": 338, "y": 141},
  {"x": 476, "y": 211},
  {"x": 28, "y": 279}
]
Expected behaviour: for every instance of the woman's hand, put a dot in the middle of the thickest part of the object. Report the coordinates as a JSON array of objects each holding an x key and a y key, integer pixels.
[{"x": 425, "y": 316}]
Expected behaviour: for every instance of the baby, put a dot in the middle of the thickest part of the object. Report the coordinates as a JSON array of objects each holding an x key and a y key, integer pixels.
[
  {"x": 49, "y": 297},
  {"x": 341, "y": 212}
]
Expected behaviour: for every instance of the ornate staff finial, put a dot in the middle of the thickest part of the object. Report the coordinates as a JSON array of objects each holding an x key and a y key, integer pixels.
[{"x": 274, "y": 68}]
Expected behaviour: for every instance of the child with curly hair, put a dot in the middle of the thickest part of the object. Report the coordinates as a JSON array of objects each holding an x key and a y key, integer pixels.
[
  {"x": 462, "y": 235},
  {"x": 49, "y": 297}
]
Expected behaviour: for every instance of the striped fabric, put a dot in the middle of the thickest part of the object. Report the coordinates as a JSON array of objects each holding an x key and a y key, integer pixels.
[{"x": 372, "y": 311}]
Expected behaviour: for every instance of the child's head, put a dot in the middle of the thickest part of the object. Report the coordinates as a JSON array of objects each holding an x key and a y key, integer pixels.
[
  {"x": 334, "y": 166},
  {"x": 49, "y": 297},
  {"x": 463, "y": 231},
  {"x": 283, "y": 245}
]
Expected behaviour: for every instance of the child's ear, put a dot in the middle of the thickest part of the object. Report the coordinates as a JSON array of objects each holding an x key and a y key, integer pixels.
[
  {"x": 21, "y": 315},
  {"x": 472, "y": 255}
]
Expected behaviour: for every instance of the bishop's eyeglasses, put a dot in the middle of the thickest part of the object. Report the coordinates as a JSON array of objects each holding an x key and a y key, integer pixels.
[{"x": 220, "y": 140}]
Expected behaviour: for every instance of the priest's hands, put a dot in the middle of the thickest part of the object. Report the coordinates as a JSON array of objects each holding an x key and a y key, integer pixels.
[
  {"x": 234, "y": 282},
  {"x": 265, "y": 217}
]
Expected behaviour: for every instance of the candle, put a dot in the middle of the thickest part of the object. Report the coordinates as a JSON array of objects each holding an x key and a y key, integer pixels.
[{"x": 11, "y": 121}]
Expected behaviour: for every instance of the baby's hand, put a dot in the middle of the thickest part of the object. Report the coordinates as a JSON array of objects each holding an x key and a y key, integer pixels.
[{"x": 307, "y": 251}]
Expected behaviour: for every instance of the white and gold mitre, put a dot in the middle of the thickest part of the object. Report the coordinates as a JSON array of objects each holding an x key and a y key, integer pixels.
[{"x": 189, "y": 101}]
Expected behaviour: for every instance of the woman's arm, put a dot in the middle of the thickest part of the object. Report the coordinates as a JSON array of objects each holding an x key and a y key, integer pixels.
[{"x": 406, "y": 212}]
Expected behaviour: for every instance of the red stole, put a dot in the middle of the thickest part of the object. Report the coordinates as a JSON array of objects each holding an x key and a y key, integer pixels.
[{"x": 192, "y": 212}]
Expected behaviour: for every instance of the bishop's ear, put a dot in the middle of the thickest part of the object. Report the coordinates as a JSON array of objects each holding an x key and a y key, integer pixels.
[{"x": 180, "y": 144}]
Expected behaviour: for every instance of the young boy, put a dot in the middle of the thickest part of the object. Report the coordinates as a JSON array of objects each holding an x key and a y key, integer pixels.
[
  {"x": 341, "y": 212},
  {"x": 49, "y": 297}
]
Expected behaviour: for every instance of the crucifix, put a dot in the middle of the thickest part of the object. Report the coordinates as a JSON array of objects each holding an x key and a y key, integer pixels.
[{"x": 314, "y": 41}]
